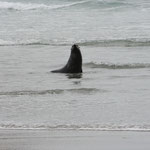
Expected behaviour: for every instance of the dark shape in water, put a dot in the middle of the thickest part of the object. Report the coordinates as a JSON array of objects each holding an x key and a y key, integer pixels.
[
  {"x": 74, "y": 64},
  {"x": 74, "y": 75}
]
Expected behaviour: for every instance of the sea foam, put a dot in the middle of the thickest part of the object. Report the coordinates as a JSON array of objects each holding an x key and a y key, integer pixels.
[
  {"x": 33, "y": 6},
  {"x": 117, "y": 66},
  {"x": 85, "y": 127},
  {"x": 67, "y": 42}
]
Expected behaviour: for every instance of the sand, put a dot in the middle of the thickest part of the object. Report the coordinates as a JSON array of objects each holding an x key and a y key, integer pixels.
[{"x": 73, "y": 140}]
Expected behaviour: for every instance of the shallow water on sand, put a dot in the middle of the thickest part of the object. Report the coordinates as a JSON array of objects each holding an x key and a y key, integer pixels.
[{"x": 112, "y": 93}]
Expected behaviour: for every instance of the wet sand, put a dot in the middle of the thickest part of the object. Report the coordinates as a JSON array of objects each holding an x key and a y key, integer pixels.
[{"x": 73, "y": 140}]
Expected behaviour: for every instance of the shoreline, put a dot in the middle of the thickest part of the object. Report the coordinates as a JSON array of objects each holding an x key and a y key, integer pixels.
[{"x": 21, "y": 139}]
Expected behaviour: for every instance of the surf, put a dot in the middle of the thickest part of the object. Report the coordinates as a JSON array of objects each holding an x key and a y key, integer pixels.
[
  {"x": 66, "y": 42},
  {"x": 34, "y": 6},
  {"x": 117, "y": 66}
]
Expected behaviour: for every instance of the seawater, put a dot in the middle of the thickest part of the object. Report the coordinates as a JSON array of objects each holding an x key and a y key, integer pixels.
[{"x": 112, "y": 93}]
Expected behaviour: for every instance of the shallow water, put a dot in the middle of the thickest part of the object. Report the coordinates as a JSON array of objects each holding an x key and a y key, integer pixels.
[
  {"x": 112, "y": 93},
  {"x": 108, "y": 95}
]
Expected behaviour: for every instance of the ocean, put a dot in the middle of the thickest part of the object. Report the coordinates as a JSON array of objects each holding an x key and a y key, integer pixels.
[{"x": 112, "y": 93}]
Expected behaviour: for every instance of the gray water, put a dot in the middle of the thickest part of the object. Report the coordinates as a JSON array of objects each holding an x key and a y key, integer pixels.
[{"x": 112, "y": 93}]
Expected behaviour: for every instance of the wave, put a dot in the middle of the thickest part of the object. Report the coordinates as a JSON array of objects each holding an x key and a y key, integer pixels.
[
  {"x": 97, "y": 127},
  {"x": 89, "y": 4},
  {"x": 55, "y": 91},
  {"x": 116, "y": 42},
  {"x": 34, "y": 6},
  {"x": 100, "y": 43},
  {"x": 110, "y": 5},
  {"x": 117, "y": 66},
  {"x": 24, "y": 42}
]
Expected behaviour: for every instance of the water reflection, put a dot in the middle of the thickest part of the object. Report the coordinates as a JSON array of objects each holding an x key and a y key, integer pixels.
[{"x": 74, "y": 75}]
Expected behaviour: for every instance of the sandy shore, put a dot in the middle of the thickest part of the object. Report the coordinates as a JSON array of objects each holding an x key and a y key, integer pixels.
[{"x": 73, "y": 140}]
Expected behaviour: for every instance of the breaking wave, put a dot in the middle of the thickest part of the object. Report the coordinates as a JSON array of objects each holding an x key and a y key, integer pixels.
[
  {"x": 100, "y": 43},
  {"x": 95, "y": 4},
  {"x": 117, "y": 66},
  {"x": 97, "y": 127},
  {"x": 24, "y": 42},
  {"x": 32, "y": 6},
  {"x": 56, "y": 91},
  {"x": 117, "y": 42}
]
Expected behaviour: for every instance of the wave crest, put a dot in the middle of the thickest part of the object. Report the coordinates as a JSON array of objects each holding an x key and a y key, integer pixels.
[
  {"x": 117, "y": 66},
  {"x": 100, "y": 43},
  {"x": 97, "y": 127},
  {"x": 96, "y": 4},
  {"x": 55, "y": 91},
  {"x": 32, "y": 6},
  {"x": 116, "y": 42}
]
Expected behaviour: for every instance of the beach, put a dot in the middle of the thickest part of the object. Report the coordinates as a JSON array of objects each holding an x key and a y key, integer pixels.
[
  {"x": 106, "y": 107},
  {"x": 73, "y": 140}
]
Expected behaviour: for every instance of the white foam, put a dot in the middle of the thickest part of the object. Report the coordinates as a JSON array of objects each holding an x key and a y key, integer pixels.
[
  {"x": 32, "y": 6},
  {"x": 20, "y": 6},
  {"x": 5, "y": 43},
  {"x": 137, "y": 128}
]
